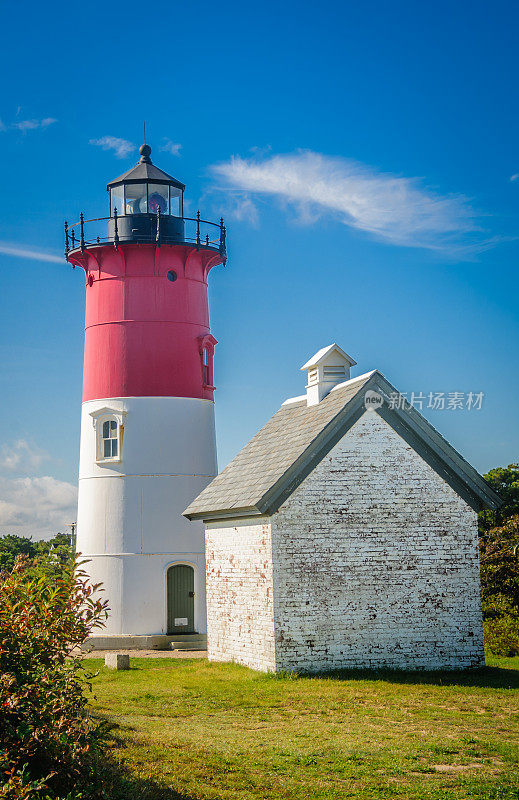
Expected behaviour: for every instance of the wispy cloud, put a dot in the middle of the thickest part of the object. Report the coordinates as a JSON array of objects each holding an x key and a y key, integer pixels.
[
  {"x": 171, "y": 147},
  {"x": 395, "y": 209},
  {"x": 25, "y": 125},
  {"x": 121, "y": 147},
  {"x": 33, "y": 124},
  {"x": 21, "y": 251},
  {"x": 514, "y": 177},
  {"x": 244, "y": 209},
  {"x": 21, "y": 456}
]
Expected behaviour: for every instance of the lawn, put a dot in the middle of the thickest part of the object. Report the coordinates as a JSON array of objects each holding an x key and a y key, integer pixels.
[{"x": 194, "y": 730}]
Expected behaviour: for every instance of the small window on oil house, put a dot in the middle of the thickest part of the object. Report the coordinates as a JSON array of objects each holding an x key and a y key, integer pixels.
[
  {"x": 205, "y": 361},
  {"x": 109, "y": 440}
]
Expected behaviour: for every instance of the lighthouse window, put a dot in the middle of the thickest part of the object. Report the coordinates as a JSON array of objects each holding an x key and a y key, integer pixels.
[
  {"x": 175, "y": 201},
  {"x": 136, "y": 200},
  {"x": 206, "y": 365},
  {"x": 110, "y": 442},
  {"x": 158, "y": 198},
  {"x": 117, "y": 200}
]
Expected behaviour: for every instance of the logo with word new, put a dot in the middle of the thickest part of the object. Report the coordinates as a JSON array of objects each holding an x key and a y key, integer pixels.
[{"x": 372, "y": 400}]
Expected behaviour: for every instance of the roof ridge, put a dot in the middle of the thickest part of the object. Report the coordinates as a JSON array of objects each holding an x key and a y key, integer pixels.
[{"x": 297, "y": 437}]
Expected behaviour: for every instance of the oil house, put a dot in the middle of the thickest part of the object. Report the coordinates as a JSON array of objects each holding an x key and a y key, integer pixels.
[{"x": 344, "y": 535}]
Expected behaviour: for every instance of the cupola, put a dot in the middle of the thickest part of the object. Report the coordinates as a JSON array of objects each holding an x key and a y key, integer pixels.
[{"x": 328, "y": 367}]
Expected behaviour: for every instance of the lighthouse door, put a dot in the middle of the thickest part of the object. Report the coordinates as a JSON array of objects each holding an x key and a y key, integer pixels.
[{"x": 181, "y": 599}]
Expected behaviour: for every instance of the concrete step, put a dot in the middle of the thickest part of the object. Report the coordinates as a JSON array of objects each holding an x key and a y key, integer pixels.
[{"x": 193, "y": 641}]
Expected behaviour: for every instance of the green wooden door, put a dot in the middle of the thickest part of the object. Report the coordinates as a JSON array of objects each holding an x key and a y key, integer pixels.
[{"x": 181, "y": 599}]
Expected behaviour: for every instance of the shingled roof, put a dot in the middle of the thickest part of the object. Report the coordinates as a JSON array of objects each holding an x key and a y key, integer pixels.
[{"x": 268, "y": 469}]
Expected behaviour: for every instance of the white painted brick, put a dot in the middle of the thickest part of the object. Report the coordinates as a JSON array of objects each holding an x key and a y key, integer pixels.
[{"x": 371, "y": 562}]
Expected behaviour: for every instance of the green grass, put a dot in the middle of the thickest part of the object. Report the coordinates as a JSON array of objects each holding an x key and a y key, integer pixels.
[{"x": 194, "y": 730}]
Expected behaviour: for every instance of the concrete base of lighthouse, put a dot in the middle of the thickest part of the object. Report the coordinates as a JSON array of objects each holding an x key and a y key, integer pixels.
[
  {"x": 191, "y": 642},
  {"x": 130, "y": 525}
]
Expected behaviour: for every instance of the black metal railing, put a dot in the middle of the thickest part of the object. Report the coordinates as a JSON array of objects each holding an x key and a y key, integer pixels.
[{"x": 92, "y": 232}]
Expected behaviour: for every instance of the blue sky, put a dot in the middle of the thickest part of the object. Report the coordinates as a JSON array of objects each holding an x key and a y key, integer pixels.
[{"x": 364, "y": 158}]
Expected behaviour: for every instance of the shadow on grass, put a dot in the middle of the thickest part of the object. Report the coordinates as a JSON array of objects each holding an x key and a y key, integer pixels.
[
  {"x": 483, "y": 678},
  {"x": 112, "y": 780},
  {"x": 117, "y": 783}
]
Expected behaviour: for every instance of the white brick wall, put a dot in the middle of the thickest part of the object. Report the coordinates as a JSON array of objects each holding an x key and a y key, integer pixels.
[
  {"x": 240, "y": 616},
  {"x": 375, "y": 563}
]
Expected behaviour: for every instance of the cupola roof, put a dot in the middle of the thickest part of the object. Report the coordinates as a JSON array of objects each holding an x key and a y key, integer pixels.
[{"x": 145, "y": 170}]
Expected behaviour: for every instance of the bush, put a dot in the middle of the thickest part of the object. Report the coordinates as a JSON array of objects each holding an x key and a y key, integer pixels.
[
  {"x": 498, "y": 605},
  {"x": 45, "y": 734},
  {"x": 502, "y": 635},
  {"x": 500, "y": 562}
]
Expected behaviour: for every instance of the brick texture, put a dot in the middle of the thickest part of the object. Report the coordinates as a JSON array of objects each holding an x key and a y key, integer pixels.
[
  {"x": 240, "y": 621},
  {"x": 371, "y": 562}
]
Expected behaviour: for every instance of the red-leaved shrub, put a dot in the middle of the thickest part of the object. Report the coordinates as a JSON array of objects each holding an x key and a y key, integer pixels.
[{"x": 45, "y": 734}]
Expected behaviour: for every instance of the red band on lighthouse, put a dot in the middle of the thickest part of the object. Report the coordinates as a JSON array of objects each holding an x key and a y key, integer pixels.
[{"x": 146, "y": 311}]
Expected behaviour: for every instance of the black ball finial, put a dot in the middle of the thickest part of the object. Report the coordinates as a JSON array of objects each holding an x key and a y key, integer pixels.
[{"x": 145, "y": 151}]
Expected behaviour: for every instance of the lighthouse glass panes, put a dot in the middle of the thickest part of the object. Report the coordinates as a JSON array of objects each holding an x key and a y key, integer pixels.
[
  {"x": 144, "y": 198},
  {"x": 158, "y": 198},
  {"x": 136, "y": 198},
  {"x": 117, "y": 200},
  {"x": 109, "y": 439},
  {"x": 175, "y": 204}
]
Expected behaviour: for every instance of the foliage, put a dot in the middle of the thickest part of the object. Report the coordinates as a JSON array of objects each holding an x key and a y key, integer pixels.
[
  {"x": 499, "y": 559},
  {"x": 12, "y": 546},
  {"x": 504, "y": 481},
  {"x": 500, "y": 563},
  {"x": 502, "y": 635},
  {"x": 54, "y": 552},
  {"x": 498, "y": 605},
  {"x": 45, "y": 735}
]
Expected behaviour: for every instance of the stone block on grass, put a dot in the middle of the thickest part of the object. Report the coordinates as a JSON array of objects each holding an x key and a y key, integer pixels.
[{"x": 117, "y": 661}]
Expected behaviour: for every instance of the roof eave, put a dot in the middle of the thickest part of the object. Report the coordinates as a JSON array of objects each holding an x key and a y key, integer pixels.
[
  {"x": 223, "y": 514},
  {"x": 454, "y": 465}
]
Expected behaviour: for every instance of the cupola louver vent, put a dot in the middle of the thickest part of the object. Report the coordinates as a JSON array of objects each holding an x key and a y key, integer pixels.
[{"x": 326, "y": 369}]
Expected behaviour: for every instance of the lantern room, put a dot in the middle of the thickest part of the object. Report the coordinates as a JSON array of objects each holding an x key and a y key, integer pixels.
[
  {"x": 141, "y": 195},
  {"x": 146, "y": 189},
  {"x": 146, "y": 207}
]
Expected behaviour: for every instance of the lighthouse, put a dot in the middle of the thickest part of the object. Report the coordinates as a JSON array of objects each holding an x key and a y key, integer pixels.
[{"x": 147, "y": 421}]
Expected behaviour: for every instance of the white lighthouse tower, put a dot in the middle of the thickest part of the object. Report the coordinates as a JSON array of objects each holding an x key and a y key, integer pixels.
[{"x": 147, "y": 424}]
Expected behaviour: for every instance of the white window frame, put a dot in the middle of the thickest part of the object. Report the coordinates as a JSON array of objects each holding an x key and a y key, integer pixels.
[{"x": 99, "y": 417}]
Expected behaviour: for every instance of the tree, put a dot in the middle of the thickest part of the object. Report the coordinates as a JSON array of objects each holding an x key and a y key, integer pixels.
[
  {"x": 500, "y": 563},
  {"x": 499, "y": 559},
  {"x": 12, "y": 546},
  {"x": 505, "y": 482},
  {"x": 57, "y": 551}
]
